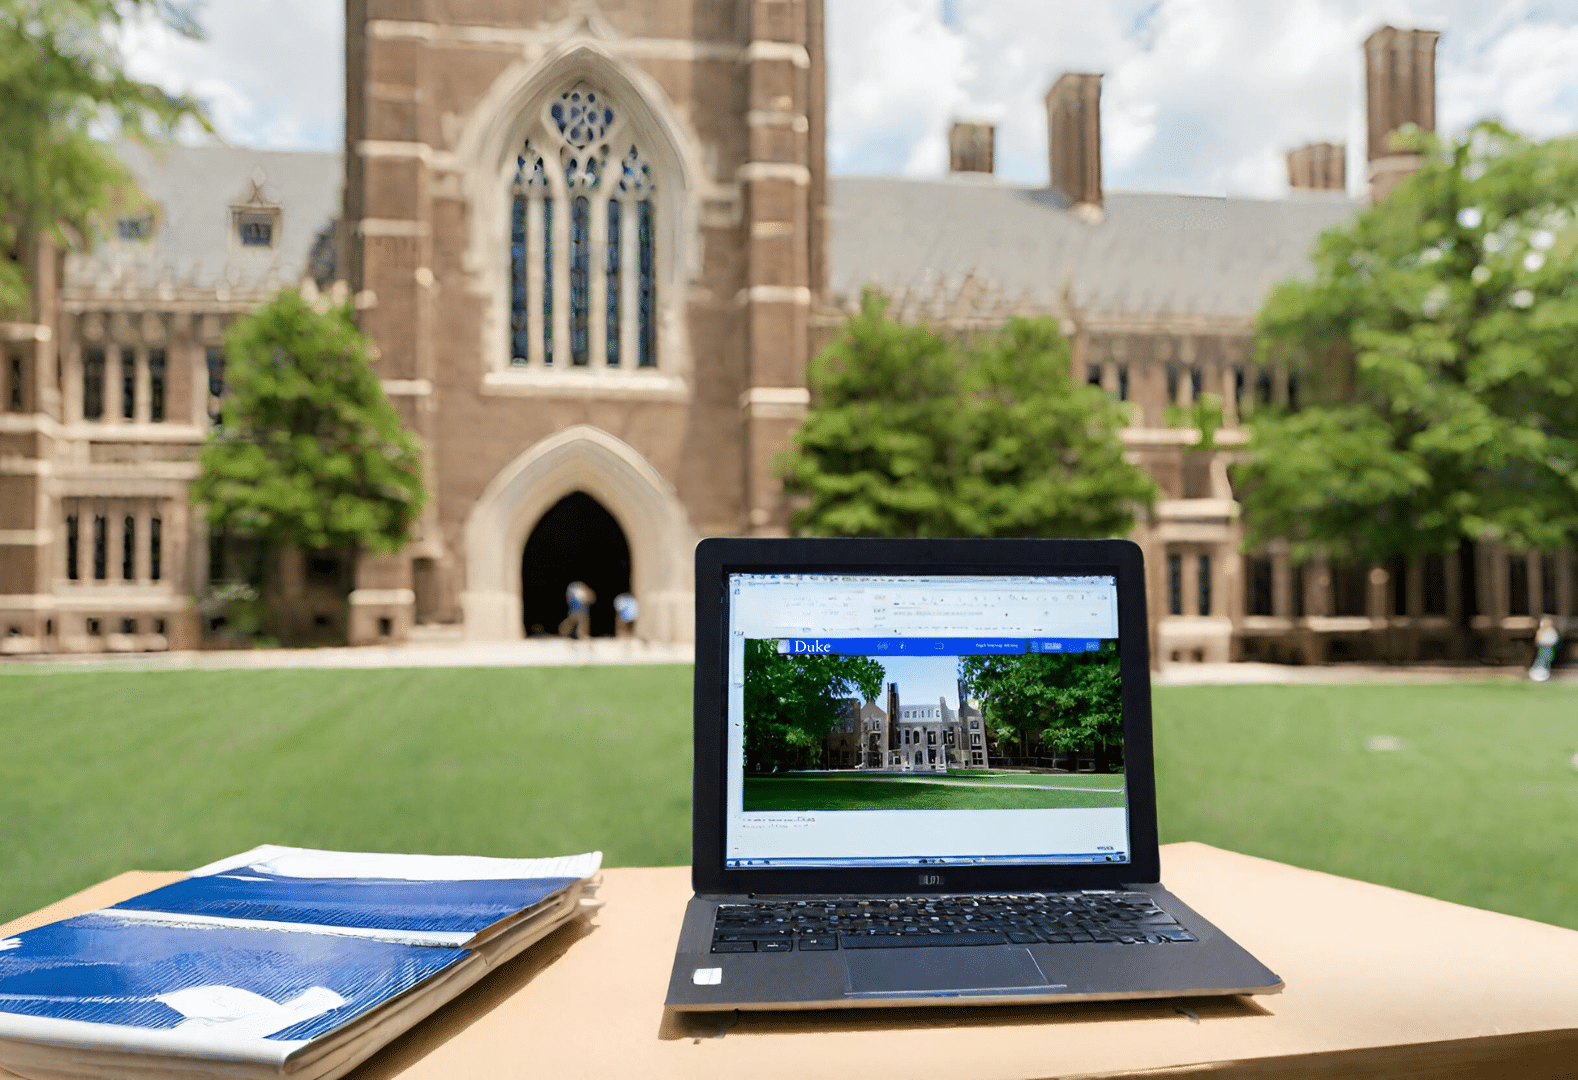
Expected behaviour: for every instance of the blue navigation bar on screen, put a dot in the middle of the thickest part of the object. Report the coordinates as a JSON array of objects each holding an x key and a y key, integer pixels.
[{"x": 949, "y": 646}]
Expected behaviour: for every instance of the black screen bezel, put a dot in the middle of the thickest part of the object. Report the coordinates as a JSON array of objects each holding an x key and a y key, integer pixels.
[{"x": 718, "y": 558}]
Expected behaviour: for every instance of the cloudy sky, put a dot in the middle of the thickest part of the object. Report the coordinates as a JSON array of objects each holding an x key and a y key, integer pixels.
[{"x": 1199, "y": 96}]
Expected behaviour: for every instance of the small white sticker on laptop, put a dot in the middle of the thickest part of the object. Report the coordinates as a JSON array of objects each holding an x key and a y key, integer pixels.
[{"x": 707, "y": 976}]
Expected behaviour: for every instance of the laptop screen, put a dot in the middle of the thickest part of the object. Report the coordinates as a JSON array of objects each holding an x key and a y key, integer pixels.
[{"x": 901, "y": 720}]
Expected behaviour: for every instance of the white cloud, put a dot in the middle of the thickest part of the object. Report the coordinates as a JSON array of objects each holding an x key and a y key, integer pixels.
[
  {"x": 1202, "y": 96},
  {"x": 894, "y": 104},
  {"x": 272, "y": 74}
]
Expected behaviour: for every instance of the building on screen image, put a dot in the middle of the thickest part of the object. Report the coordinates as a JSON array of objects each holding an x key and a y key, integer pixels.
[{"x": 909, "y": 737}]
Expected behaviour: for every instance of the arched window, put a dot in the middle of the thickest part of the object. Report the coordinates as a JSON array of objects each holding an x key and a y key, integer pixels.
[{"x": 583, "y": 264}]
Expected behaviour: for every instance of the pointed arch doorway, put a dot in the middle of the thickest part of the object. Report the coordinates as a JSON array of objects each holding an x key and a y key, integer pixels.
[
  {"x": 576, "y": 540},
  {"x": 579, "y": 459}
]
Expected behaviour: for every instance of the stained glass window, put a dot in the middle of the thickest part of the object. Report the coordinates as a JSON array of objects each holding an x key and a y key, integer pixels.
[
  {"x": 647, "y": 341},
  {"x": 530, "y": 178},
  {"x": 129, "y": 548},
  {"x": 216, "y": 385},
  {"x": 156, "y": 385},
  {"x": 519, "y": 341},
  {"x": 547, "y": 281},
  {"x": 100, "y": 548},
  {"x": 612, "y": 274},
  {"x": 607, "y": 195},
  {"x": 582, "y": 116},
  {"x": 93, "y": 384},
  {"x": 580, "y": 278},
  {"x": 128, "y": 383}
]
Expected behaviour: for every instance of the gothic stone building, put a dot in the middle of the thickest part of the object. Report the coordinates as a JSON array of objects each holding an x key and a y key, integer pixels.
[
  {"x": 909, "y": 737},
  {"x": 595, "y": 244}
]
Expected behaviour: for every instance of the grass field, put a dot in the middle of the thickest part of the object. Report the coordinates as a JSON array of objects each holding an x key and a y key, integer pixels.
[
  {"x": 105, "y": 772},
  {"x": 101, "y": 773},
  {"x": 1478, "y": 804},
  {"x": 958, "y": 790}
]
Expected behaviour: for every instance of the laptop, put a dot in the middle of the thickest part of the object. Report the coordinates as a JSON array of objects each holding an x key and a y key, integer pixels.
[{"x": 923, "y": 776}]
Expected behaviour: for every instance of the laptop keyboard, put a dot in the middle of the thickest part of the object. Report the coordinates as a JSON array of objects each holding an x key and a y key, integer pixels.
[{"x": 1128, "y": 918}]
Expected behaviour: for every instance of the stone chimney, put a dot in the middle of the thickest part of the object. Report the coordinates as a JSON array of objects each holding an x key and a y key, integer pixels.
[
  {"x": 970, "y": 147},
  {"x": 1400, "y": 88},
  {"x": 1074, "y": 142},
  {"x": 1320, "y": 166}
]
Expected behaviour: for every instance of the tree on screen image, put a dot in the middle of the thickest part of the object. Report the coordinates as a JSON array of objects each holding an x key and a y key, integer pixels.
[
  {"x": 1070, "y": 700},
  {"x": 792, "y": 702}
]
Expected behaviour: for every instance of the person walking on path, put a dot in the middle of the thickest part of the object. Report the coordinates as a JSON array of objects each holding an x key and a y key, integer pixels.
[
  {"x": 626, "y": 612},
  {"x": 1545, "y": 641},
  {"x": 579, "y": 598}
]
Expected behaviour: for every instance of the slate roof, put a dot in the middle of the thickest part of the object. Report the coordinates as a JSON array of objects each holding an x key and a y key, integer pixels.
[
  {"x": 977, "y": 244},
  {"x": 1018, "y": 247},
  {"x": 195, "y": 188}
]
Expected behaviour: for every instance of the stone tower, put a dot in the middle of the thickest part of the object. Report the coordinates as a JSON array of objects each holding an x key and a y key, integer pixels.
[
  {"x": 1400, "y": 89},
  {"x": 588, "y": 238}
]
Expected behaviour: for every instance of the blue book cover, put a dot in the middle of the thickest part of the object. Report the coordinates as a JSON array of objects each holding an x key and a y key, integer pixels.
[
  {"x": 436, "y": 912},
  {"x": 257, "y": 957},
  {"x": 443, "y": 900},
  {"x": 225, "y": 981}
]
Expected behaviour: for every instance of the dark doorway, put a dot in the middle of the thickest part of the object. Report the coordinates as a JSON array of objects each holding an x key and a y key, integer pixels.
[{"x": 576, "y": 540}]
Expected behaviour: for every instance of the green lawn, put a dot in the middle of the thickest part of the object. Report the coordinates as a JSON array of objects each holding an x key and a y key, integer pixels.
[
  {"x": 105, "y": 772},
  {"x": 1479, "y": 804},
  {"x": 1092, "y": 781},
  {"x": 846, "y": 791},
  {"x": 101, "y": 773}
]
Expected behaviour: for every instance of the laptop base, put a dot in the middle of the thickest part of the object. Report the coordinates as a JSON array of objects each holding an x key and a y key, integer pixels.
[{"x": 1213, "y": 965}]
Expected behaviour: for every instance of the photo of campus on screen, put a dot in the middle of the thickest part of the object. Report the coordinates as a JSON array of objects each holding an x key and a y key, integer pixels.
[{"x": 845, "y": 731}]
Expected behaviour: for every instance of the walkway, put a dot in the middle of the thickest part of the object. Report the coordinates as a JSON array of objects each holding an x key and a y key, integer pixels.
[
  {"x": 536, "y": 652},
  {"x": 1253, "y": 673},
  {"x": 450, "y": 651}
]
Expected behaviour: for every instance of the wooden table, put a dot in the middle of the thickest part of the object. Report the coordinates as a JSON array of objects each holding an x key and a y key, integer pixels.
[{"x": 1380, "y": 983}]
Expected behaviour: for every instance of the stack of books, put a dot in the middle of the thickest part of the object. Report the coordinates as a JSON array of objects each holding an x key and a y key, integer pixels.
[{"x": 279, "y": 962}]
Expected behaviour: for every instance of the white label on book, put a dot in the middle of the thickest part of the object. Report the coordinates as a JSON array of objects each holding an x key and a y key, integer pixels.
[{"x": 241, "y": 1014}]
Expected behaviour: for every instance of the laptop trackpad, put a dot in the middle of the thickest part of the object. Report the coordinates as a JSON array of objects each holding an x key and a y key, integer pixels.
[{"x": 962, "y": 968}]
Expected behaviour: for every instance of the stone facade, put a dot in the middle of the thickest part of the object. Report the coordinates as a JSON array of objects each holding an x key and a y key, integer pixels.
[
  {"x": 113, "y": 386},
  {"x": 723, "y": 104},
  {"x": 631, "y": 322}
]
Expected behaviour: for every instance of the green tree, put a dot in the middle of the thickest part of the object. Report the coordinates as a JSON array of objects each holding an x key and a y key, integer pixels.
[
  {"x": 1069, "y": 700},
  {"x": 792, "y": 702},
  {"x": 311, "y": 452},
  {"x": 907, "y": 438},
  {"x": 61, "y": 75},
  {"x": 1040, "y": 455},
  {"x": 1436, "y": 343},
  {"x": 878, "y": 450}
]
